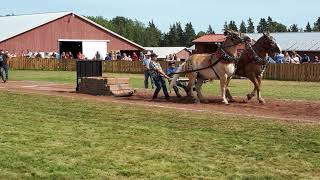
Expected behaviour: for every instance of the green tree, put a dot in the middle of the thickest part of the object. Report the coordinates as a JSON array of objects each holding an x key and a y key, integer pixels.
[
  {"x": 294, "y": 28},
  {"x": 232, "y": 26},
  {"x": 316, "y": 26},
  {"x": 225, "y": 26},
  {"x": 308, "y": 28},
  {"x": 262, "y": 26},
  {"x": 210, "y": 30},
  {"x": 180, "y": 33},
  {"x": 189, "y": 34},
  {"x": 242, "y": 27},
  {"x": 250, "y": 28},
  {"x": 152, "y": 35}
]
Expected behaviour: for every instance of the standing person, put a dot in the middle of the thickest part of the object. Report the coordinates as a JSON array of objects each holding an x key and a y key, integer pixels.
[
  {"x": 170, "y": 72},
  {"x": 4, "y": 64},
  {"x": 141, "y": 57},
  {"x": 158, "y": 76},
  {"x": 279, "y": 58},
  {"x": 146, "y": 69}
]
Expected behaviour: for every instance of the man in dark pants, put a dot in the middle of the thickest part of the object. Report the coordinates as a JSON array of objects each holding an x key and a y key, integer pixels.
[
  {"x": 158, "y": 76},
  {"x": 4, "y": 64}
]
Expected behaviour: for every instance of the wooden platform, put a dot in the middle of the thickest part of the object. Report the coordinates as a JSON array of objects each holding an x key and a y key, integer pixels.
[{"x": 106, "y": 86}]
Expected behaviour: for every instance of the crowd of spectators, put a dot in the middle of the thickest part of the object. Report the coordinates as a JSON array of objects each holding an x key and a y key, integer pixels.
[{"x": 292, "y": 58}]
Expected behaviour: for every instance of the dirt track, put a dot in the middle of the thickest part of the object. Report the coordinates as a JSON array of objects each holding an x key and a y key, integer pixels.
[{"x": 297, "y": 111}]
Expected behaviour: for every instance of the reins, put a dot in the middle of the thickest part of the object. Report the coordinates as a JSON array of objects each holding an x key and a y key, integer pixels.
[{"x": 225, "y": 56}]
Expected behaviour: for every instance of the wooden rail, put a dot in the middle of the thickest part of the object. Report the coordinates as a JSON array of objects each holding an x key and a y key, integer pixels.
[{"x": 290, "y": 72}]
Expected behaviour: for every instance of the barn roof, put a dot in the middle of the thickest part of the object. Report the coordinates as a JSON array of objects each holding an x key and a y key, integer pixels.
[
  {"x": 294, "y": 41},
  {"x": 162, "y": 52},
  {"x": 11, "y": 26},
  {"x": 210, "y": 38}
]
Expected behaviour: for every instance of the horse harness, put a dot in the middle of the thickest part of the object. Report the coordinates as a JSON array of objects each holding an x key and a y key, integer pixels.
[
  {"x": 221, "y": 55},
  {"x": 256, "y": 58}
]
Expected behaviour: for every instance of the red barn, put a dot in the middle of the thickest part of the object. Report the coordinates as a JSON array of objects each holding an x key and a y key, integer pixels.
[{"x": 59, "y": 32}]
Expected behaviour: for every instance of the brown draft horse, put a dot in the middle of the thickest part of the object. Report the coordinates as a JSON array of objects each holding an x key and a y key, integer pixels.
[
  {"x": 200, "y": 67},
  {"x": 252, "y": 63}
]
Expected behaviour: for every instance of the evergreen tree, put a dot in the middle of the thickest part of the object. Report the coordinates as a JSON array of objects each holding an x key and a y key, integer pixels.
[
  {"x": 152, "y": 35},
  {"x": 180, "y": 34},
  {"x": 294, "y": 28},
  {"x": 232, "y": 26},
  {"x": 263, "y": 26},
  {"x": 250, "y": 28},
  {"x": 210, "y": 30},
  {"x": 316, "y": 26},
  {"x": 308, "y": 28},
  {"x": 189, "y": 34},
  {"x": 225, "y": 26},
  {"x": 243, "y": 28}
]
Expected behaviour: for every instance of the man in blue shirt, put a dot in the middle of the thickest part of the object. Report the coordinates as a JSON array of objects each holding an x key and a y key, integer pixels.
[
  {"x": 279, "y": 58},
  {"x": 170, "y": 72}
]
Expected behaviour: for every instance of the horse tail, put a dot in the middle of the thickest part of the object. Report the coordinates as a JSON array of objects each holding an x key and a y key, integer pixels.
[{"x": 176, "y": 76}]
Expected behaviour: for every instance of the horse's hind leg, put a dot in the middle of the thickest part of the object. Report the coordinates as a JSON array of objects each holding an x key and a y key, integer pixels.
[
  {"x": 198, "y": 90},
  {"x": 253, "y": 93},
  {"x": 192, "y": 80}
]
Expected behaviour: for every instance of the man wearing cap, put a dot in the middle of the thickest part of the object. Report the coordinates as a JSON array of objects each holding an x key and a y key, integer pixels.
[
  {"x": 158, "y": 76},
  {"x": 146, "y": 68},
  {"x": 4, "y": 64}
]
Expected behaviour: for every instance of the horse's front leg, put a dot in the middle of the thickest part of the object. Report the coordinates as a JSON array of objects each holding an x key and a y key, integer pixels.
[
  {"x": 228, "y": 93},
  {"x": 260, "y": 99},
  {"x": 223, "y": 86}
]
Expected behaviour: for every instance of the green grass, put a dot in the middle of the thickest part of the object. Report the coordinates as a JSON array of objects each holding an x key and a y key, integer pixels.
[
  {"x": 45, "y": 137},
  {"x": 271, "y": 89}
]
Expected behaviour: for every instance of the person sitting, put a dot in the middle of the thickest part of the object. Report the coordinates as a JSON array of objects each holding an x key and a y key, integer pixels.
[
  {"x": 316, "y": 60},
  {"x": 279, "y": 58},
  {"x": 158, "y": 76},
  {"x": 295, "y": 58},
  {"x": 287, "y": 58},
  {"x": 170, "y": 72},
  {"x": 135, "y": 57},
  {"x": 305, "y": 59},
  {"x": 108, "y": 57},
  {"x": 269, "y": 59}
]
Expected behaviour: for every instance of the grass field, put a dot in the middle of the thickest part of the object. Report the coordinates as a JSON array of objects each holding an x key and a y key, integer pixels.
[
  {"x": 45, "y": 137},
  {"x": 271, "y": 89}
]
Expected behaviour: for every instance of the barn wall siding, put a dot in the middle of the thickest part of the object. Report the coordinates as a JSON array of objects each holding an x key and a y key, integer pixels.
[{"x": 45, "y": 38}]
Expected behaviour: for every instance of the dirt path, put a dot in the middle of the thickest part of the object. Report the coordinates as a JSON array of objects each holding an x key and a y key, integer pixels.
[{"x": 286, "y": 110}]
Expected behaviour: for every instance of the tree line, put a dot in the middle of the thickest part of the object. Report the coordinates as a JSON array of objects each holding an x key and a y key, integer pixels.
[{"x": 182, "y": 35}]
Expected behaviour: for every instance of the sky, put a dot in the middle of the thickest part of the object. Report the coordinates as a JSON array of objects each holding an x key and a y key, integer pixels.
[{"x": 165, "y": 12}]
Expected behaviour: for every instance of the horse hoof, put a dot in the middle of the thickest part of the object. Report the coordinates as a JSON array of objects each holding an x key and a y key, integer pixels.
[
  {"x": 204, "y": 101},
  {"x": 225, "y": 102},
  {"x": 249, "y": 97},
  {"x": 262, "y": 102},
  {"x": 232, "y": 100}
]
